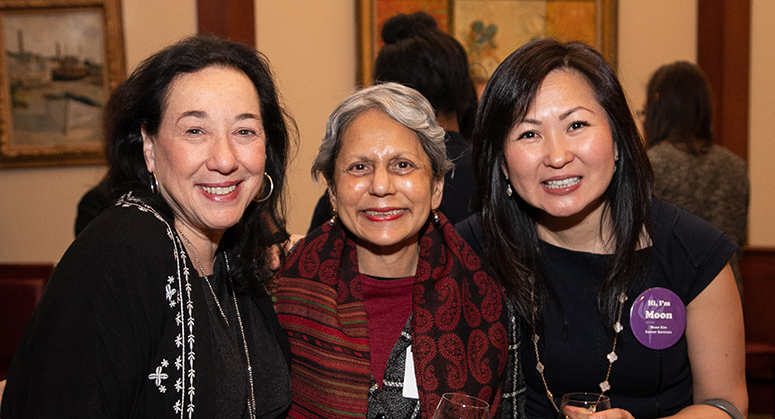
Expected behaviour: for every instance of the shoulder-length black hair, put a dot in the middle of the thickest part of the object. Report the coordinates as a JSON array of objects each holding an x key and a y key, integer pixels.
[
  {"x": 509, "y": 223},
  {"x": 141, "y": 101},
  {"x": 679, "y": 107},
  {"x": 420, "y": 55}
]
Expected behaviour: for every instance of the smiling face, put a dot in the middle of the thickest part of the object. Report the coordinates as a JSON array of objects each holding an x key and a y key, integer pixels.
[
  {"x": 561, "y": 158},
  {"x": 383, "y": 188},
  {"x": 209, "y": 153}
]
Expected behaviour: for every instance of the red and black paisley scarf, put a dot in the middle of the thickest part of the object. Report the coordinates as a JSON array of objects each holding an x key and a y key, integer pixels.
[{"x": 459, "y": 338}]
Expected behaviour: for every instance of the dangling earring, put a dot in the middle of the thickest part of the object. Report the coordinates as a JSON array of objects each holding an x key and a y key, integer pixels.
[
  {"x": 509, "y": 191},
  {"x": 435, "y": 213},
  {"x": 332, "y": 221},
  {"x": 271, "y": 189},
  {"x": 154, "y": 183}
]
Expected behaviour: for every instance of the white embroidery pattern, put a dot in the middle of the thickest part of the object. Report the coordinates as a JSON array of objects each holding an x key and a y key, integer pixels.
[
  {"x": 159, "y": 376},
  {"x": 176, "y": 289},
  {"x": 171, "y": 292},
  {"x": 189, "y": 355}
]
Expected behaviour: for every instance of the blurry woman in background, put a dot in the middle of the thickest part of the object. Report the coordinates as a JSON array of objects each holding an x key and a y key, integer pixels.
[
  {"x": 689, "y": 170},
  {"x": 387, "y": 280},
  {"x": 569, "y": 225},
  {"x": 158, "y": 309}
]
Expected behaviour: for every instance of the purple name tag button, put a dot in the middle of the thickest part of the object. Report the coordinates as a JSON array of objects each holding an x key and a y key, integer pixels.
[{"x": 658, "y": 318}]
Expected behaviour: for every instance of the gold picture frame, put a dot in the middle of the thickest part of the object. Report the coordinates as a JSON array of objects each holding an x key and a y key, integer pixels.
[
  {"x": 60, "y": 60},
  {"x": 490, "y": 30}
]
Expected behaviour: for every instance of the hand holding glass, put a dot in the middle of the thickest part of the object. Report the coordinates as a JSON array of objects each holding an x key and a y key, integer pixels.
[
  {"x": 461, "y": 406},
  {"x": 592, "y": 402}
]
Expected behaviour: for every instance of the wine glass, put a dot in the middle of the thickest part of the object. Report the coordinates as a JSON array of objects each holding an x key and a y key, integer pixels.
[
  {"x": 591, "y": 401},
  {"x": 461, "y": 406}
]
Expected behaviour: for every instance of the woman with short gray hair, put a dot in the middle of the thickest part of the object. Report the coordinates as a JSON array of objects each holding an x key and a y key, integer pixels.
[
  {"x": 388, "y": 273},
  {"x": 402, "y": 104}
]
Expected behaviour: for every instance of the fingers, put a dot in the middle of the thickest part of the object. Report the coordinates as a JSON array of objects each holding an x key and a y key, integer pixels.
[
  {"x": 582, "y": 413},
  {"x": 286, "y": 246},
  {"x": 274, "y": 257},
  {"x": 611, "y": 414},
  {"x": 291, "y": 242}
]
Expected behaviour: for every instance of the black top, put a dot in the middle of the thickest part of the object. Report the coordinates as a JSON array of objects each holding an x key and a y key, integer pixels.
[
  {"x": 91, "y": 205},
  {"x": 459, "y": 186},
  {"x": 124, "y": 330},
  {"x": 686, "y": 255}
]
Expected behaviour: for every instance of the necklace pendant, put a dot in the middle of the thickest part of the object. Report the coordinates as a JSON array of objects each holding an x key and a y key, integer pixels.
[
  {"x": 618, "y": 327},
  {"x": 605, "y": 386},
  {"x": 540, "y": 368},
  {"x": 612, "y": 357}
]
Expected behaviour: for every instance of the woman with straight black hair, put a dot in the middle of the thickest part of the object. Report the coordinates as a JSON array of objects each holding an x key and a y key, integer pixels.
[
  {"x": 567, "y": 220},
  {"x": 158, "y": 308}
]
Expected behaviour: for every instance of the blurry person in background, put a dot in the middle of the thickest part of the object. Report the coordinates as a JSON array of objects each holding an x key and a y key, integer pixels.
[
  {"x": 420, "y": 55},
  {"x": 689, "y": 170}
]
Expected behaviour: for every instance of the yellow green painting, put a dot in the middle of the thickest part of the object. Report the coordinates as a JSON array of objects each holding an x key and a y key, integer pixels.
[{"x": 490, "y": 30}]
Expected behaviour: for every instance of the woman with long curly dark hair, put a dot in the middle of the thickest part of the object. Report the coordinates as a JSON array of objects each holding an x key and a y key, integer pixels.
[{"x": 158, "y": 308}]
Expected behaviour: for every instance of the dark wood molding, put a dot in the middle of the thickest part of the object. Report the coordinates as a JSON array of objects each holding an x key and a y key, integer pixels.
[
  {"x": 230, "y": 19},
  {"x": 21, "y": 286},
  {"x": 757, "y": 267},
  {"x": 26, "y": 270},
  {"x": 723, "y": 51}
]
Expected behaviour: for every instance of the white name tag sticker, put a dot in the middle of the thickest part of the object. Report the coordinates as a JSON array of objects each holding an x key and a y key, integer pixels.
[{"x": 410, "y": 381}]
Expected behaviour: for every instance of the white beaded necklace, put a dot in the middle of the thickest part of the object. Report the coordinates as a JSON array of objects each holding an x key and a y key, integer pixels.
[
  {"x": 252, "y": 401},
  {"x": 612, "y": 357}
]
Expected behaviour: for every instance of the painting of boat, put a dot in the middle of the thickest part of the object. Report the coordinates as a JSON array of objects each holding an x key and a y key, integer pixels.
[{"x": 69, "y": 69}]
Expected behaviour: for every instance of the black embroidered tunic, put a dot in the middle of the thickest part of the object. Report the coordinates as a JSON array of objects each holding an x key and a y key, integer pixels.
[{"x": 124, "y": 330}]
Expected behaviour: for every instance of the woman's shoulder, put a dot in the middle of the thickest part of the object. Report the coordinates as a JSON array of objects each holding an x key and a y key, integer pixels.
[
  {"x": 728, "y": 162},
  {"x": 128, "y": 221},
  {"x": 124, "y": 233},
  {"x": 470, "y": 230},
  {"x": 686, "y": 246},
  {"x": 675, "y": 225}
]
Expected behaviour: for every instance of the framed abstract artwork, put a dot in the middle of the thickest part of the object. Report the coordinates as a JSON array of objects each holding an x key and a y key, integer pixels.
[
  {"x": 60, "y": 60},
  {"x": 490, "y": 30}
]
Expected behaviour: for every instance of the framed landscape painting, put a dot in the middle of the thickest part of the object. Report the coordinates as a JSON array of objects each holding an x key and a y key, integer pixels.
[
  {"x": 60, "y": 60},
  {"x": 490, "y": 30}
]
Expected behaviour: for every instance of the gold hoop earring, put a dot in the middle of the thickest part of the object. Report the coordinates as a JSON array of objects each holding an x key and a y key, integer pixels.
[{"x": 271, "y": 189}]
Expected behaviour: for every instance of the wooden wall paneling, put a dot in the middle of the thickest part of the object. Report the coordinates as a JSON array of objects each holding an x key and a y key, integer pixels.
[
  {"x": 21, "y": 286},
  {"x": 757, "y": 267},
  {"x": 26, "y": 270},
  {"x": 723, "y": 52},
  {"x": 230, "y": 19}
]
